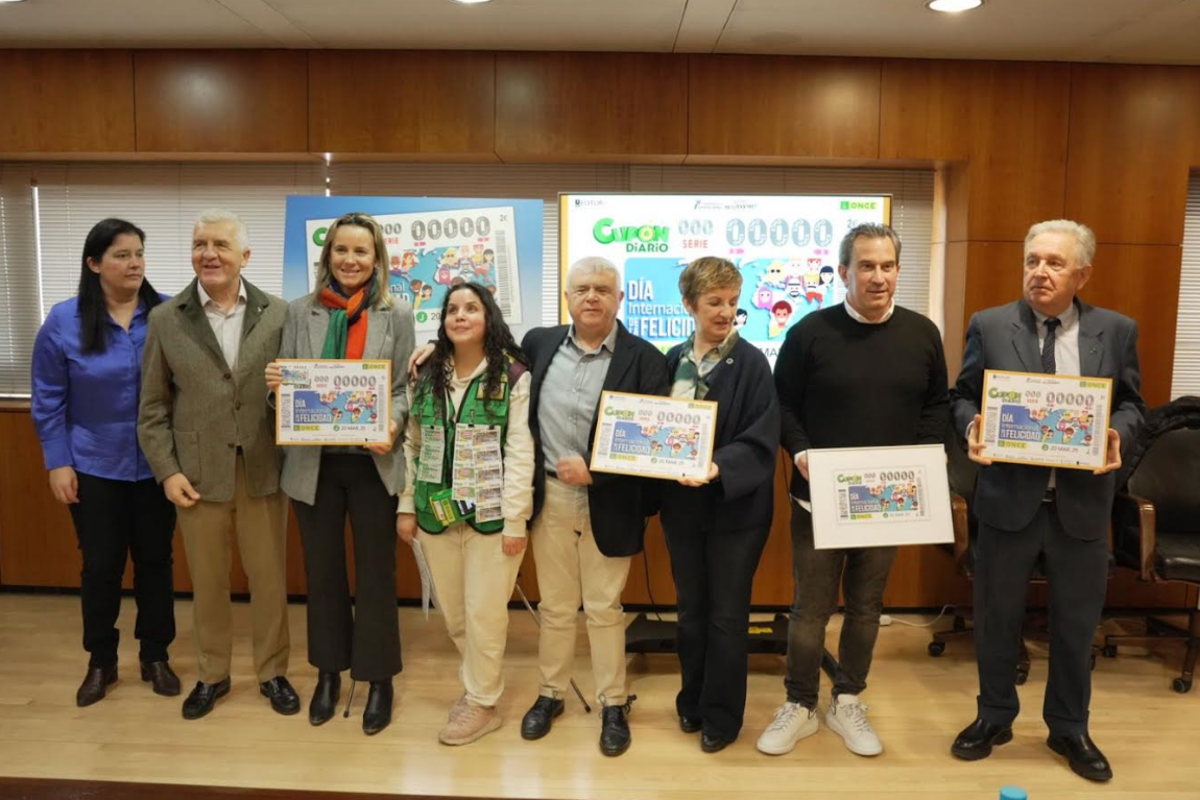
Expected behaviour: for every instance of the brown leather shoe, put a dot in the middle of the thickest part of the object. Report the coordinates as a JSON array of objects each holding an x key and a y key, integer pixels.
[
  {"x": 95, "y": 684},
  {"x": 161, "y": 678}
]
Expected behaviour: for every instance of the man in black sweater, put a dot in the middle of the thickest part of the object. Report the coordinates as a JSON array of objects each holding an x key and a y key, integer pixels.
[{"x": 862, "y": 374}]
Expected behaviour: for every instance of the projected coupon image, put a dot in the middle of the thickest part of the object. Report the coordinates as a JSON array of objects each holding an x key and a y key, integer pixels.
[{"x": 431, "y": 252}]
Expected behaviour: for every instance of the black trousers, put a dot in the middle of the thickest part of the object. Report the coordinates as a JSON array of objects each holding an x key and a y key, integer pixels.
[
  {"x": 115, "y": 520},
  {"x": 1077, "y": 578},
  {"x": 365, "y": 639},
  {"x": 714, "y": 572}
]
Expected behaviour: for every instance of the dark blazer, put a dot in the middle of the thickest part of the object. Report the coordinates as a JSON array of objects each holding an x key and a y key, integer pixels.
[
  {"x": 745, "y": 449},
  {"x": 618, "y": 504},
  {"x": 1007, "y": 496}
]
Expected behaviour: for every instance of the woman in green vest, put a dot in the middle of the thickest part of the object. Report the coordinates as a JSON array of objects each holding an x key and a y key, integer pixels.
[{"x": 469, "y": 456}]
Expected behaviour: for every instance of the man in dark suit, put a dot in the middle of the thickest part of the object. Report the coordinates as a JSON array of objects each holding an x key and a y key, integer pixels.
[
  {"x": 1027, "y": 513},
  {"x": 586, "y": 527}
]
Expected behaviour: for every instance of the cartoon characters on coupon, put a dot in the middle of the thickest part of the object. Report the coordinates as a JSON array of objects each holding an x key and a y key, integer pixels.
[
  {"x": 787, "y": 290},
  {"x": 677, "y": 442},
  {"x": 421, "y": 276}
]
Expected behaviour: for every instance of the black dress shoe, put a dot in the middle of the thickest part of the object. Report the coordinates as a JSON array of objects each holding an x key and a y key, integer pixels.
[
  {"x": 1085, "y": 758},
  {"x": 711, "y": 743},
  {"x": 325, "y": 697},
  {"x": 202, "y": 699},
  {"x": 689, "y": 724},
  {"x": 95, "y": 684},
  {"x": 539, "y": 717},
  {"x": 614, "y": 728},
  {"x": 976, "y": 740},
  {"x": 378, "y": 713},
  {"x": 161, "y": 677},
  {"x": 283, "y": 697}
]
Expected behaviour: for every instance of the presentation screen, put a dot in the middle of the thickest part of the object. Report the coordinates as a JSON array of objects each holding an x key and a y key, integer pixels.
[{"x": 786, "y": 247}]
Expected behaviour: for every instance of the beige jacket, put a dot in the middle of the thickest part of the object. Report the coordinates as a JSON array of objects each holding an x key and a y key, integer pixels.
[
  {"x": 517, "y": 497},
  {"x": 195, "y": 411}
]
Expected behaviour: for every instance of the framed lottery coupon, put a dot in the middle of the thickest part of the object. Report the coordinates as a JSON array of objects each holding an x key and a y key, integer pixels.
[
  {"x": 333, "y": 402},
  {"x": 1047, "y": 420},
  {"x": 879, "y": 496},
  {"x": 654, "y": 437}
]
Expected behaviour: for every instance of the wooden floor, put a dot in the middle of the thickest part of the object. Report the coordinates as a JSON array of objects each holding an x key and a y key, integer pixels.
[{"x": 917, "y": 703}]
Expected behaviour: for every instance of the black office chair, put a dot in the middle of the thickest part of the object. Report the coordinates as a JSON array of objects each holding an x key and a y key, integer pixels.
[{"x": 1156, "y": 521}]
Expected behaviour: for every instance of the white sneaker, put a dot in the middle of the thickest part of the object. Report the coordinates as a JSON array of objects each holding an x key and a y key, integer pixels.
[
  {"x": 792, "y": 723},
  {"x": 848, "y": 718}
]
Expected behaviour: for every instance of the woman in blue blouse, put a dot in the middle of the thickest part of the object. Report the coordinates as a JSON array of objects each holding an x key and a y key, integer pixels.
[{"x": 87, "y": 370}]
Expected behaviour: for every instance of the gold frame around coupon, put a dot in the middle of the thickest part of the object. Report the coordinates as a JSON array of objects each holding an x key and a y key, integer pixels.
[
  {"x": 983, "y": 416},
  {"x": 387, "y": 405},
  {"x": 711, "y": 404}
]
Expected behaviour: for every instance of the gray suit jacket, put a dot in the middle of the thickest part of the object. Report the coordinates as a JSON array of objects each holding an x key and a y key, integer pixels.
[
  {"x": 1007, "y": 496},
  {"x": 195, "y": 411},
  {"x": 389, "y": 336}
]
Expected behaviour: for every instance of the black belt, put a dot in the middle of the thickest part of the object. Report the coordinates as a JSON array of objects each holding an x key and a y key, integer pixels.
[
  {"x": 1050, "y": 496},
  {"x": 552, "y": 474}
]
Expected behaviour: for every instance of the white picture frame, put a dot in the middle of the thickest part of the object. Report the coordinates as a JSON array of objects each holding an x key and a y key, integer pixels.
[{"x": 879, "y": 496}]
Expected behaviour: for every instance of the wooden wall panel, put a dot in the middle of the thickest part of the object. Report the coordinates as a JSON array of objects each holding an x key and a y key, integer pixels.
[
  {"x": 925, "y": 110},
  {"x": 994, "y": 272},
  {"x": 783, "y": 107},
  {"x": 1134, "y": 132},
  {"x": 1008, "y": 119},
  {"x": 67, "y": 101},
  {"x": 221, "y": 101},
  {"x": 436, "y": 105},
  {"x": 1142, "y": 282},
  {"x": 1018, "y": 147},
  {"x": 627, "y": 107}
]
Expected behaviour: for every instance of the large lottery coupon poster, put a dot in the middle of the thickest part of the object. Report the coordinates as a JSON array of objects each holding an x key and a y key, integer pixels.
[
  {"x": 785, "y": 246},
  {"x": 433, "y": 244}
]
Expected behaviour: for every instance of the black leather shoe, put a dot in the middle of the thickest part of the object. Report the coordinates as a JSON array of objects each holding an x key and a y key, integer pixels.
[
  {"x": 712, "y": 744},
  {"x": 378, "y": 713},
  {"x": 161, "y": 678},
  {"x": 1085, "y": 758},
  {"x": 689, "y": 724},
  {"x": 202, "y": 699},
  {"x": 281, "y": 694},
  {"x": 976, "y": 740},
  {"x": 95, "y": 684},
  {"x": 614, "y": 728},
  {"x": 537, "y": 720},
  {"x": 325, "y": 697}
]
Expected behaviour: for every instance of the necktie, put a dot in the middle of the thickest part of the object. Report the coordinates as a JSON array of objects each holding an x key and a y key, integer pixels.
[{"x": 1048, "y": 346}]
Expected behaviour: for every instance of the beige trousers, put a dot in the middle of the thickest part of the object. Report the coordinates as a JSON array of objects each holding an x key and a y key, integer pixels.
[
  {"x": 261, "y": 527},
  {"x": 571, "y": 569},
  {"x": 473, "y": 581}
]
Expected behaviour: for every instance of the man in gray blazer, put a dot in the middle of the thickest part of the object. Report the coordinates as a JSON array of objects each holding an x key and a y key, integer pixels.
[
  {"x": 1028, "y": 513},
  {"x": 207, "y": 431}
]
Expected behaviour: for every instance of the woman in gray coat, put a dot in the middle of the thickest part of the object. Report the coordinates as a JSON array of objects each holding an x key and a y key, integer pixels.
[{"x": 351, "y": 315}]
